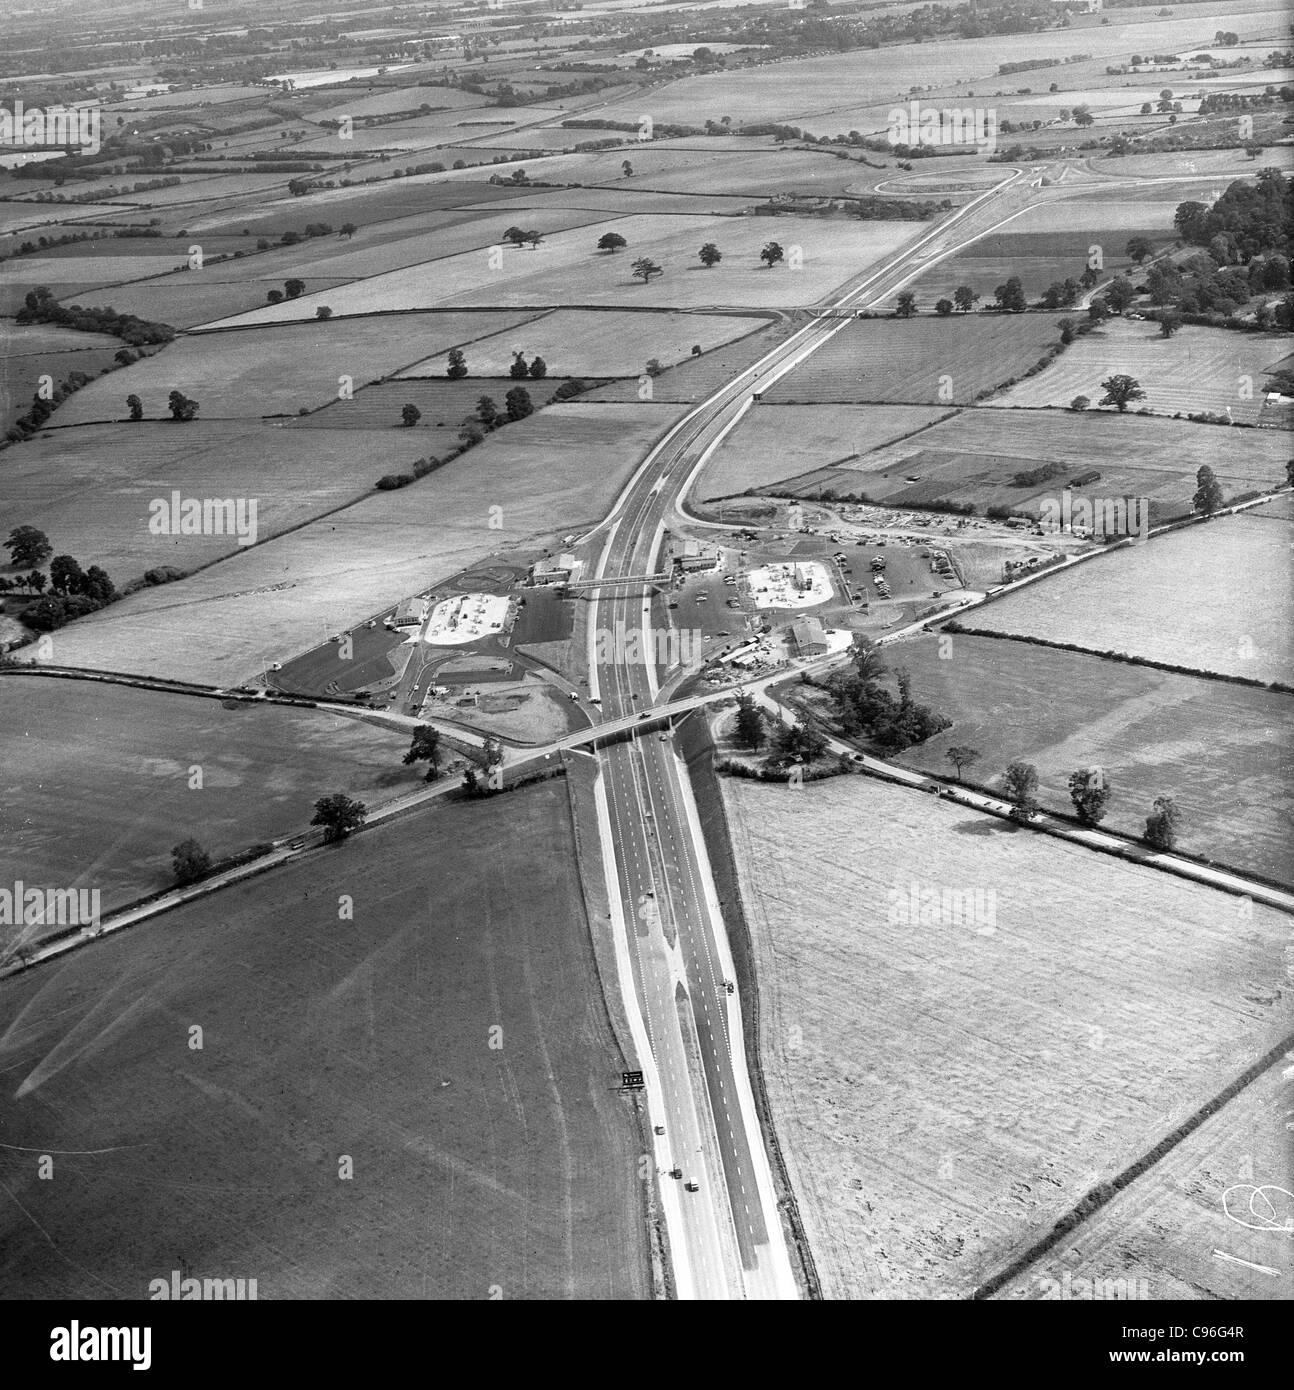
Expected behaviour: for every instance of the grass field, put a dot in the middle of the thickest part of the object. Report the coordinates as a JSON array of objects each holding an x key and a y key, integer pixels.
[
  {"x": 89, "y": 488},
  {"x": 1173, "y": 1225},
  {"x": 41, "y": 350},
  {"x": 821, "y": 92},
  {"x": 130, "y": 754},
  {"x": 1225, "y": 753},
  {"x": 1038, "y": 258},
  {"x": 444, "y": 405},
  {"x": 576, "y": 342},
  {"x": 944, "y": 1092},
  {"x": 185, "y": 301},
  {"x": 774, "y": 442},
  {"x": 1214, "y": 597},
  {"x": 451, "y": 1041},
  {"x": 973, "y": 456},
  {"x": 558, "y": 469},
  {"x": 567, "y": 269},
  {"x": 920, "y": 361},
  {"x": 1196, "y": 369},
  {"x": 279, "y": 370}
]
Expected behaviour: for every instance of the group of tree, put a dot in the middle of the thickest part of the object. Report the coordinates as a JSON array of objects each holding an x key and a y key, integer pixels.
[
  {"x": 865, "y": 707},
  {"x": 520, "y": 236},
  {"x": 519, "y": 369},
  {"x": 72, "y": 591},
  {"x": 339, "y": 815},
  {"x": 1089, "y": 790},
  {"x": 293, "y": 288},
  {"x": 40, "y": 306},
  {"x": 182, "y": 407}
]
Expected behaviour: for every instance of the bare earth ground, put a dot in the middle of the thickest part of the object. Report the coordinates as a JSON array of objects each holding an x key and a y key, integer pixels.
[
  {"x": 449, "y": 1043},
  {"x": 229, "y": 621},
  {"x": 945, "y": 1092}
]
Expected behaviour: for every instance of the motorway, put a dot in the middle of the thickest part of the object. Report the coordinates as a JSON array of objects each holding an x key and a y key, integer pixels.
[{"x": 726, "y": 1237}]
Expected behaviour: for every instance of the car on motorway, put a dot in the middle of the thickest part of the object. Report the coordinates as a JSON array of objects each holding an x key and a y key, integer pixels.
[
  {"x": 676, "y": 1172},
  {"x": 660, "y": 1129},
  {"x": 692, "y": 1185},
  {"x": 646, "y": 714}
]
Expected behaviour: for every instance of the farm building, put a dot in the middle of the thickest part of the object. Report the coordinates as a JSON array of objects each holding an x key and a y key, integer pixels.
[
  {"x": 410, "y": 613},
  {"x": 694, "y": 556},
  {"x": 807, "y": 637},
  {"x": 555, "y": 569}
]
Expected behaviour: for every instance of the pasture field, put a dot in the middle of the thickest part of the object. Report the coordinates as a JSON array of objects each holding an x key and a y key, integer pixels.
[
  {"x": 972, "y": 458},
  {"x": 944, "y": 1092},
  {"x": 1225, "y": 753},
  {"x": 130, "y": 755},
  {"x": 365, "y": 204},
  {"x": 774, "y": 442},
  {"x": 186, "y": 301},
  {"x": 558, "y": 469},
  {"x": 821, "y": 93},
  {"x": 620, "y": 200},
  {"x": 1196, "y": 369},
  {"x": 18, "y": 216},
  {"x": 1038, "y": 258},
  {"x": 567, "y": 269},
  {"x": 89, "y": 269},
  {"x": 1213, "y": 597},
  {"x": 278, "y": 370},
  {"x": 444, "y": 405},
  {"x": 38, "y": 350},
  {"x": 89, "y": 488},
  {"x": 920, "y": 361},
  {"x": 576, "y": 342},
  {"x": 388, "y": 101},
  {"x": 475, "y": 1166},
  {"x": 1192, "y": 1207},
  {"x": 1113, "y": 213}
]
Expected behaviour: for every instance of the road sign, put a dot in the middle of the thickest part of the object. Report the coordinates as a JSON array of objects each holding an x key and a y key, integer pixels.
[{"x": 631, "y": 1080}]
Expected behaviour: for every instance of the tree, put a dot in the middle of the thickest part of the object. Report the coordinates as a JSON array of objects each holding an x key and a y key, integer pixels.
[
  {"x": 1079, "y": 403},
  {"x": 97, "y": 586},
  {"x": 425, "y": 748},
  {"x": 338, "y": 815},
  {"x": 1120, "y": 391},
  {"x": 905, "y": 305},
  {"x": 627, "y": 169},
  {"x": 1082, "y": 116},
  {"x": 538, "y": 368},
  {"x": 1208, "y": 492},
  {"x": 1138, "y": 248},
  {"x": 28, "y": 546},
  {"x": 515, "y": 235},
  {"x": 181, "y": 407},
  {"x": 750, "y": 723},
  {"x": 517, "y": 368},
  {"x": 457, "y": 365},
  {"x": 487, "y": 411},
  {"x": 644, "y": 268},
  {"x": 274, "y": 297},
  {"x": 518, "y": 403},
  {"x": 135, "y": 407},
  {"x": 961, "y": 757},
  {"x": 964, "y": 297},
  {"x": 1089, "y": 792},
  {"x": 294, "y": 288},
  {"x": 710, "y": 255},
  {"x": 1020, "y": 785},
  {"x": 65, "y": 575},
  {"x": 470, "y": 433},
  {"x": 1010, "y": 296},
  {"x": 1162, "y": 823},
  {"x": 533, "y": 238},
  {"x": 189, "y": 862},
  {"x": 1098, "y": 311},
  {"x": 1289, "y": 472},
  {"x": 323, "y": 312},
  {"x": 471, "y": 782},
  {"x": 772, "y": 254},
  {"x": 1146, "y": 108},
  {"x": 410, "y": 415},
  {"x": 1169, "y": 322},
  {"x": 943, "y": 307},
  {"x": 611, "y": 241},
  {"x": 348, "y": 230},
  {"x": 1119, "y": 293},
  {"x": 1066, "y": 327}
]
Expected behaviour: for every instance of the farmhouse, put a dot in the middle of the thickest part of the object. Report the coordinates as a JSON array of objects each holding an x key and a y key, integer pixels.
[{"x": 807, "y": 637}]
